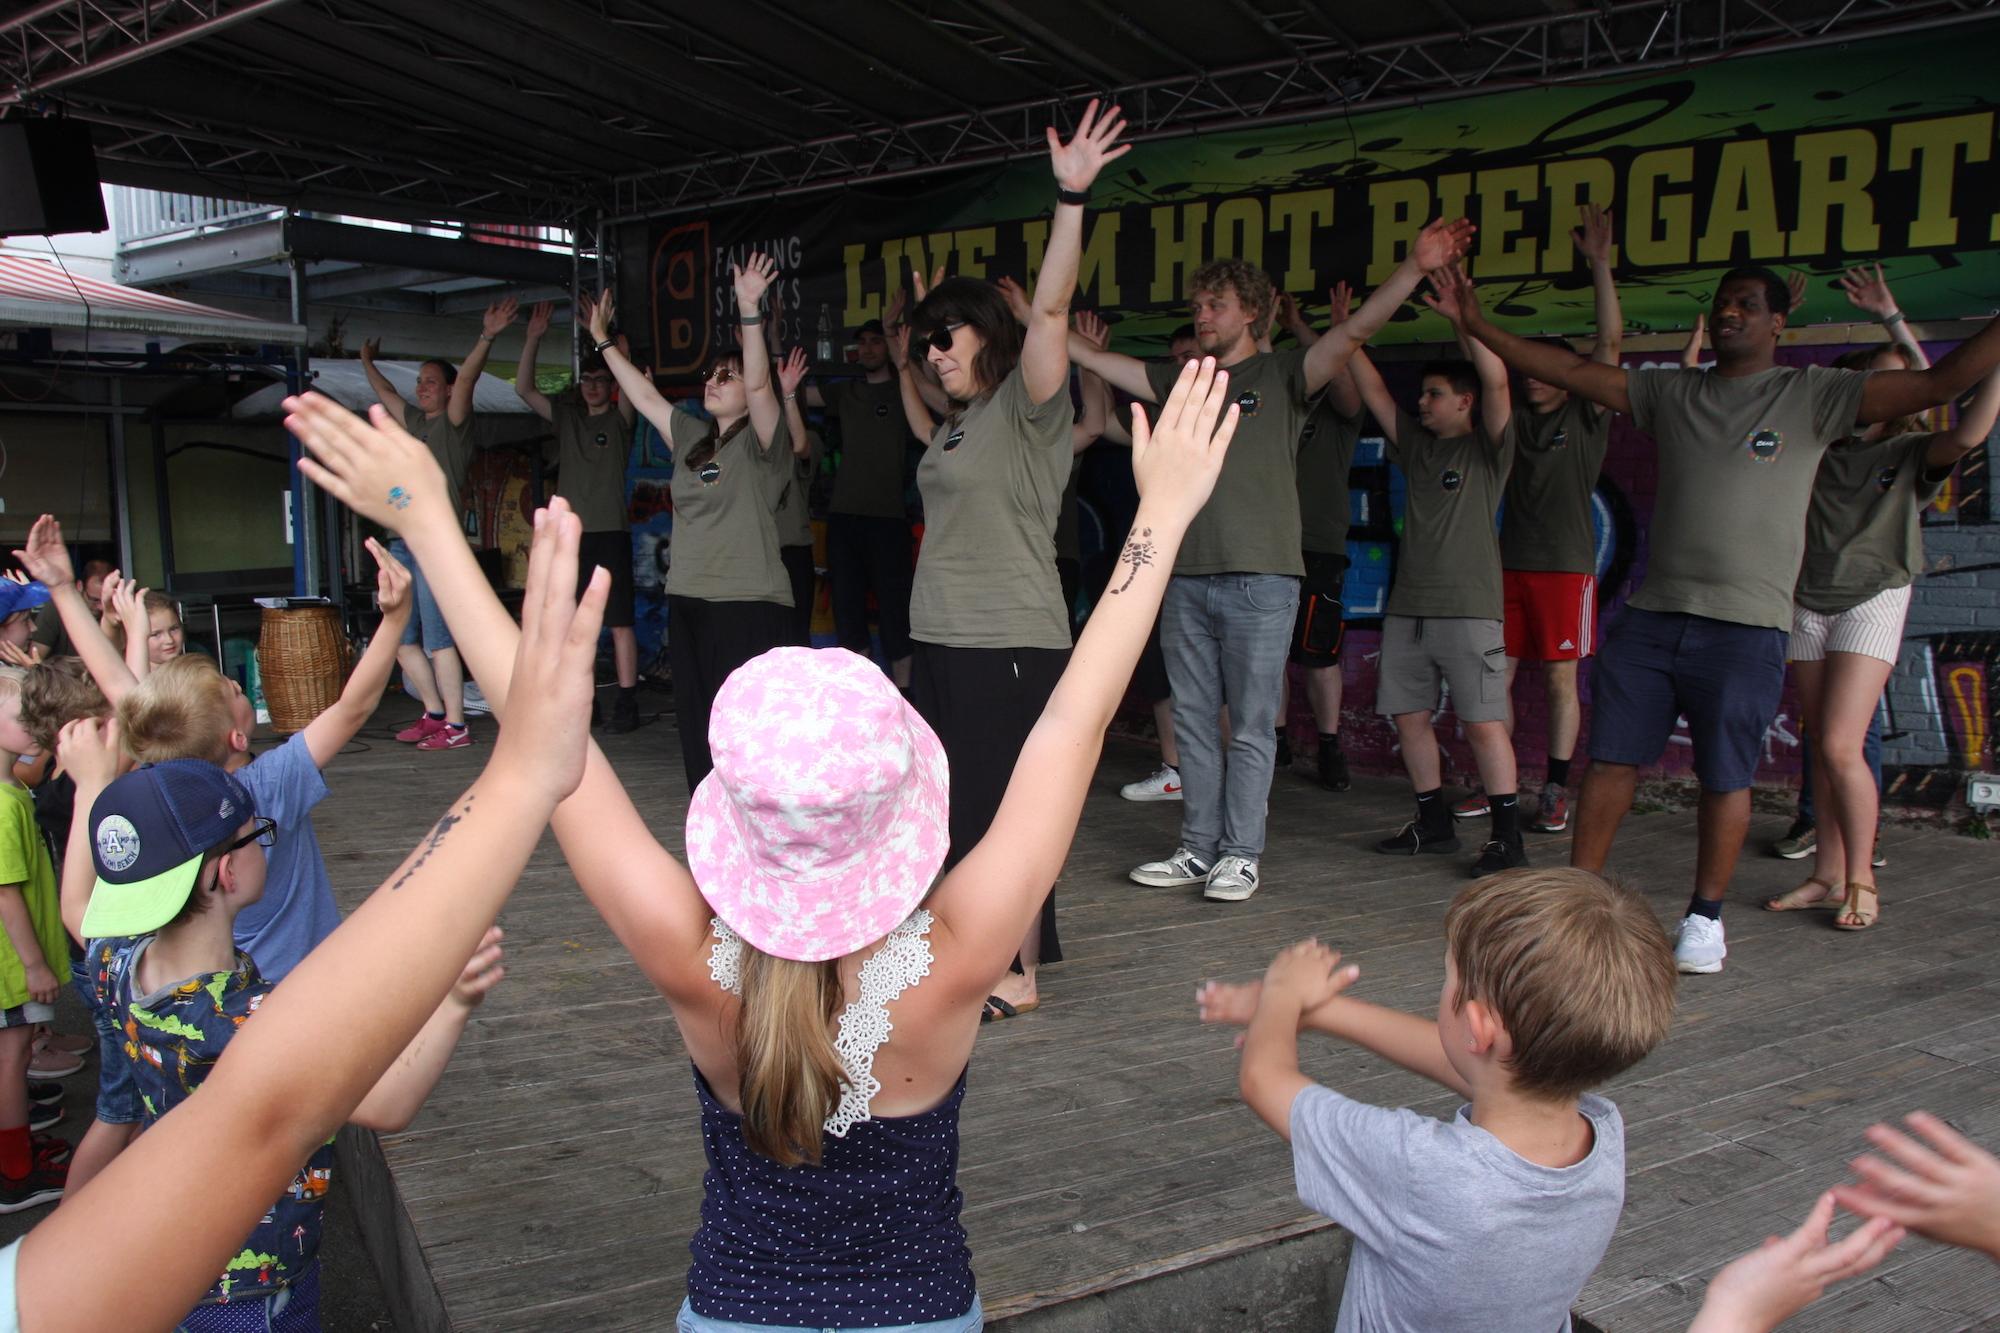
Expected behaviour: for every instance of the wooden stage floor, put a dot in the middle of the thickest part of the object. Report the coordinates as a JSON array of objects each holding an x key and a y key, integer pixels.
[{"x": 554, "y": 1178}]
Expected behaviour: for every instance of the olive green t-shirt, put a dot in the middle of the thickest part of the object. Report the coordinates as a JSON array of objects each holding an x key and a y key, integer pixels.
[
  {"x": 1068, "y": 539},
  {"x": 1557, "y": 456},
  {"x": 1448, "y": 563},
  {"x": 1250, "y": 525},
  {"x": 992, "y": 483},
  {"x": 591, "y": 451},
  {"x": 794, "y": 515},
  {"x": 1863, "y": 534},
  {"x": 450, "y": 445},
  {"x": 1738, "y": 455},
  {"x": 725, "y": 542},
  {"x": 874, "y": 440},
  {"x": 1326, "y": 455}
]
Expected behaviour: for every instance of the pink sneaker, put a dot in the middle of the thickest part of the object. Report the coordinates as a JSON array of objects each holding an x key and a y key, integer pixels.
[
  {"x": 423, "y": 727},
  {"x": 446, "y": 738}
]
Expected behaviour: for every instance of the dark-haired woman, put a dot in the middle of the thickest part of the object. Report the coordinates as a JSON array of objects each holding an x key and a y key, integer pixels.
[
  {"x": 441, "y": 417},
  {"x": 728, "y": 596},
  {"x": 988, "y": 623}
]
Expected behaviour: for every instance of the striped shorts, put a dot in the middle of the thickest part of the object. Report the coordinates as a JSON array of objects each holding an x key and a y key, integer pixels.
[{"x": 1873, "y": 629}]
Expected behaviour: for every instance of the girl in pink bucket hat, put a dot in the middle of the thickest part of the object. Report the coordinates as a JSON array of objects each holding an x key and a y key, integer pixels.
[{"x": 827, "y": 989}]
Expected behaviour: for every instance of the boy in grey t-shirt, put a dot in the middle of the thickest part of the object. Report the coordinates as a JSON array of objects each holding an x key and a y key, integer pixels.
[{"x": 1554, "y": 982}]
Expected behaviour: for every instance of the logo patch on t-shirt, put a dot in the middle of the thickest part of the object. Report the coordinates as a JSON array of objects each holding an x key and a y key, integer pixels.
[
  {"x": 601, "y": 440},
  {"x": 881, "y": 409},
  {"x": 1765, "y": 445},
  {"x": 1307, "y": 432},
  {"x": 1559, "y": 440},
  {"x": 117, "y": 843},
  {"x": 1452, "y": 479},
  {"x": 710, "y": 472},
  {"x": 956, "y": 438},
  {"x": 1249, "y": 401},
  {"x": 1888, "y": 478}
]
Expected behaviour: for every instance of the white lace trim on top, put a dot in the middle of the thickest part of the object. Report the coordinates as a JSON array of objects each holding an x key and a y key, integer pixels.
[{"x": 900, "y": 962}]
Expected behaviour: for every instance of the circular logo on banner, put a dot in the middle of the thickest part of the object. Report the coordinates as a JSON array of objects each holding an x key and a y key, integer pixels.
[
  {"x": 953, "y": 440},
  {"x": 710, "y": 473},
  {"x": 1887, "y": 479},
  {"x": 881, "y": 409},
  {"x": 1249, "y": 401},
  {"x": 1559, "y": 440},
  {"x": 117, "y": 843},
  {"x": 1765, "y": 445},
  {"x": 1452, "y": 479}
]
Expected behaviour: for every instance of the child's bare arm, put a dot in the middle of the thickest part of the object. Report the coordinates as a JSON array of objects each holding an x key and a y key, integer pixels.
[
  {"x": 1306, "y": 976},
  {"x": 399, "y": 1094},
  {"x": 47, "y": 559},
  {"x": 125, "y": 601},
  {"x": 1404, "y": 1039},
  {"x": 328, "y": 734},
  {"x": 20, "y": 927},
  {"x": 92, "y": 756}
]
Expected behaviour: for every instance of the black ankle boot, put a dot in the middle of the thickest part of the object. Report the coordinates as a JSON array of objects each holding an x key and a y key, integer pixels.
[{"x": 624, "y": 710}]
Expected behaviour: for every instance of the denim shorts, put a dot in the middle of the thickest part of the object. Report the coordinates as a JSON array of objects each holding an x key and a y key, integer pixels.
[
  {"x": 970, "y": 1322},
  {"x": 426, "y": 624},
  {"x": 117, "y": 1089},
  {"x": 1656, "y": 666}
]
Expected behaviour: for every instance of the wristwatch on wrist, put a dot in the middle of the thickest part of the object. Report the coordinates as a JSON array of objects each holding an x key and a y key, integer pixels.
[{"x": 1069, "y": 196}]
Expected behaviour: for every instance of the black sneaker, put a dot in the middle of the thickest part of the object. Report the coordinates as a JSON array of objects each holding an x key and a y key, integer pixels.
[
  {"x": 42, "y": 1184},
  {"x": 41, "y": 1117},
  {"x": 1414, "y": 838},
  {"x": 1333, "y": 769},
  {"x": 1496, "y": 856},
  {"x": 624, "y": 711},
  {"x": 45, "y": 1094},
  {"x": 1284, "y": 754}
]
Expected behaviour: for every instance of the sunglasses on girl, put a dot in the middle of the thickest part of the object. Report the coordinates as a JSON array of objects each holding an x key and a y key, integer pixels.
[
  {"x": 721, "y": 373},
  {"x": 940, "y": 337}
]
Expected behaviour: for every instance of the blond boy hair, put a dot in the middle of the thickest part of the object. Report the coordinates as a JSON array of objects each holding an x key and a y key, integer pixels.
[
  {"x": 1578, "y": 971},
  {"x": 181, "y": 710}
]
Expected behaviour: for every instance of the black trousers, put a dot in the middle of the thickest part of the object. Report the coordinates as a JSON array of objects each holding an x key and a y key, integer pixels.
[
  {"x": 705, "y": 642},
  {"x": 865, "y": 553},
  {"x": 982, "y": 703},
  {"x": 799, "y": 565}
]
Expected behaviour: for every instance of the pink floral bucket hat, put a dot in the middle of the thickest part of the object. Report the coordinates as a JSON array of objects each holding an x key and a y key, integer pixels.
[{"x": 824, "y": 820}]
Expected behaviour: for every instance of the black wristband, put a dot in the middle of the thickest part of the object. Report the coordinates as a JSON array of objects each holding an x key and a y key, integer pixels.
[
  {"x": 608, "y": 342},
  {"x": 747, "y": 321},
  {"x": 1072, "y": 196}
]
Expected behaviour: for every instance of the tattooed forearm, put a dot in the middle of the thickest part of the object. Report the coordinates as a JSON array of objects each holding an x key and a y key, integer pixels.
[
  {"x": 432, "y": 841},
  {"x": 1138, "y": 553}
]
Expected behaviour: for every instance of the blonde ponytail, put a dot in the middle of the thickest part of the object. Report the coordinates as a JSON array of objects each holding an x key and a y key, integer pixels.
[{"x": 788, "y": 1072}]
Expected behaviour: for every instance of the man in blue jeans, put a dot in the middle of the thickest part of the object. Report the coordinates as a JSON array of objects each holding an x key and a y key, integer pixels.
[
  {"x": 1226, "y": 624},
  {"x": 1705, "y": 635}
]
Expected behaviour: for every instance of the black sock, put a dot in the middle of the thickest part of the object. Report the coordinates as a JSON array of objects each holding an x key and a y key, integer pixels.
[
  {"x": 435, "y": 717},
  {"x": 1559, "y": 772},
  {"x": 455, "y": 726},
  {"x": 1506, "y": 815},
  {"x": 1431, "y": 812},
  {"x": 1329, "y": 740},
  {"x": 1700, "y": 906}
]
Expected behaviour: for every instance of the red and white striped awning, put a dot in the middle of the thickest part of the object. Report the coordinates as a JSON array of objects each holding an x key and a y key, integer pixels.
[{"x": 35, "y": 293}]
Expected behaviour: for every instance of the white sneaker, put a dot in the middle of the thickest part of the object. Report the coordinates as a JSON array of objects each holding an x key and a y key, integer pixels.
[
  {"x": 1182, "y": 868},
  {"x": 1233, "y": 879},
  {"x": 1699, "y": 947},
  {"x": 1165, "y": 785}
]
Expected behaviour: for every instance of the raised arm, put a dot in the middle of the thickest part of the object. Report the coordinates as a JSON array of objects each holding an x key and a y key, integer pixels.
[
  {"x": 47, "y": 560},
  {"x": 986, "y": 902},
  {"x": 531, "y": 346},
  {"x": 206, "y": 1173},
  {"x": 400, "y": 1093},
  {"x": 1374, "y": 394},
  {"x": 328, "y": 734},
  {"x": 647, "y": 897},
  {"x": 498, "y": 316},
  {"x": 790, "y": 372},
  {"x": 89, "y": 750},
  {"x": 1593, "y": 241},
  {"x": 1496, "y": 403},
  {"x": 1090, "y": 424},
  {"x": 125, "y": 600},
  {"x": 385, "y": 392},
  {"x": 1600, "y": 383},
  {"x": 1974, "y": 427},
  {"x": 1045, "y": 346},
  {"x": 1302, "y": 978},
  {"x": 1409, "y": 1040},
  {"x": 1691, "y": 354},
  {"x": 750, "y": 283},
  {"x": 1902, "y": 393},
  {"x": 634, "y": 384},
  {"x": 1870, "y": 292},
  {"x": 908, "y": 380},
  {"x": 1437, "y": 246}
]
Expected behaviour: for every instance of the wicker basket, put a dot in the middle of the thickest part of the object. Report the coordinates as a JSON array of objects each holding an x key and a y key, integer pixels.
[{"x": 303, "y": 658}]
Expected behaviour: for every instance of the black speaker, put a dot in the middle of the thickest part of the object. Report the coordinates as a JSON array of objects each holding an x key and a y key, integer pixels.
[{"x": 48, "y": 179}]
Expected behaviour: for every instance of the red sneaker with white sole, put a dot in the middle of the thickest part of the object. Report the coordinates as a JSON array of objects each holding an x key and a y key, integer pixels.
[
  {"x": 446, "y": 737},
  {"x": 422, "y": 729}
]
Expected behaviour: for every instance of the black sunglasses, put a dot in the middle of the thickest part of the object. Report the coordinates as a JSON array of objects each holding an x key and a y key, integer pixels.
[
  {"x": 265, "y": 834},
  {"x": 940, "y": 337}
]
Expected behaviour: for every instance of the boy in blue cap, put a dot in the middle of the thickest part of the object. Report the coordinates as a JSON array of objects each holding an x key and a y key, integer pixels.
[{"x": 178, "y": 852}]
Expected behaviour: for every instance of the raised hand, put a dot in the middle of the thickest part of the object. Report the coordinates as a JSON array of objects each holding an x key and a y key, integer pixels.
[
  {"x": 597, "y": 315},
  {"x": 1233, "y": 1003},
  {"x": 1784, "y": 1275},
  {"x": 1016, "y": 298},
  {"x": 373, "y": 467},
  {"x": 45, "y": 557},
  {"x": 1442, "y": 244},
  {"x": 392, "y": 581},
  {"x": 548, "y": 702},
  {"x": 1308, "y": 972},
  {"x": 1795, "y": 287},
  {"x": 1451, "y": 294},
  {"x": 918, "y": 288},
  {"x": 1869, "y": 291},
  {"x": 792, "y": 371},
  {"x": 1176, "y": 460},
  {"x": 89, "y": 750},
  {"x": 752, "y": 280},
  {"x": 483, "y": 970},
  {"x": 1691, "y": 354},
  {"x": 1095, "y": 143},
  {"x": 540, "y": 317},
  {"x": 1946, "y": 1188},
  {"x": 1285, "y": 314},
  {"x": 1340, "y": 299},
  {"x": 498, "y": 316},
  {"x": 1593, "y": 234},
  {"x": 1090, "y": 327},
  {"x": 128, "y": 603},
  {"x": 370, "y": 349}
]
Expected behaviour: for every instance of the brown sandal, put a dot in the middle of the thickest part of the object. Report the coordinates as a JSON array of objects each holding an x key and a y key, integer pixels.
[
  {"x": 1863, "y": 919},
  {"x": 1794, "y": 902}
]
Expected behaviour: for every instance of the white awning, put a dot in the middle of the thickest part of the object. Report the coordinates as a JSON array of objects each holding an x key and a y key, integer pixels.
[{"x": 37, "y": 294}]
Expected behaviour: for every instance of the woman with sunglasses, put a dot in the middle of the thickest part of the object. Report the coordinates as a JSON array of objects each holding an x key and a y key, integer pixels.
[
  {"x": 990, "y": 629},
  {"x": 728, "y": 596},
  {"x": 592, "y": 444}
]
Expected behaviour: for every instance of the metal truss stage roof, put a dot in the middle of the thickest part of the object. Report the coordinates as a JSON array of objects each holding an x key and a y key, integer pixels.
[{"x": 556, "y": 111}]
